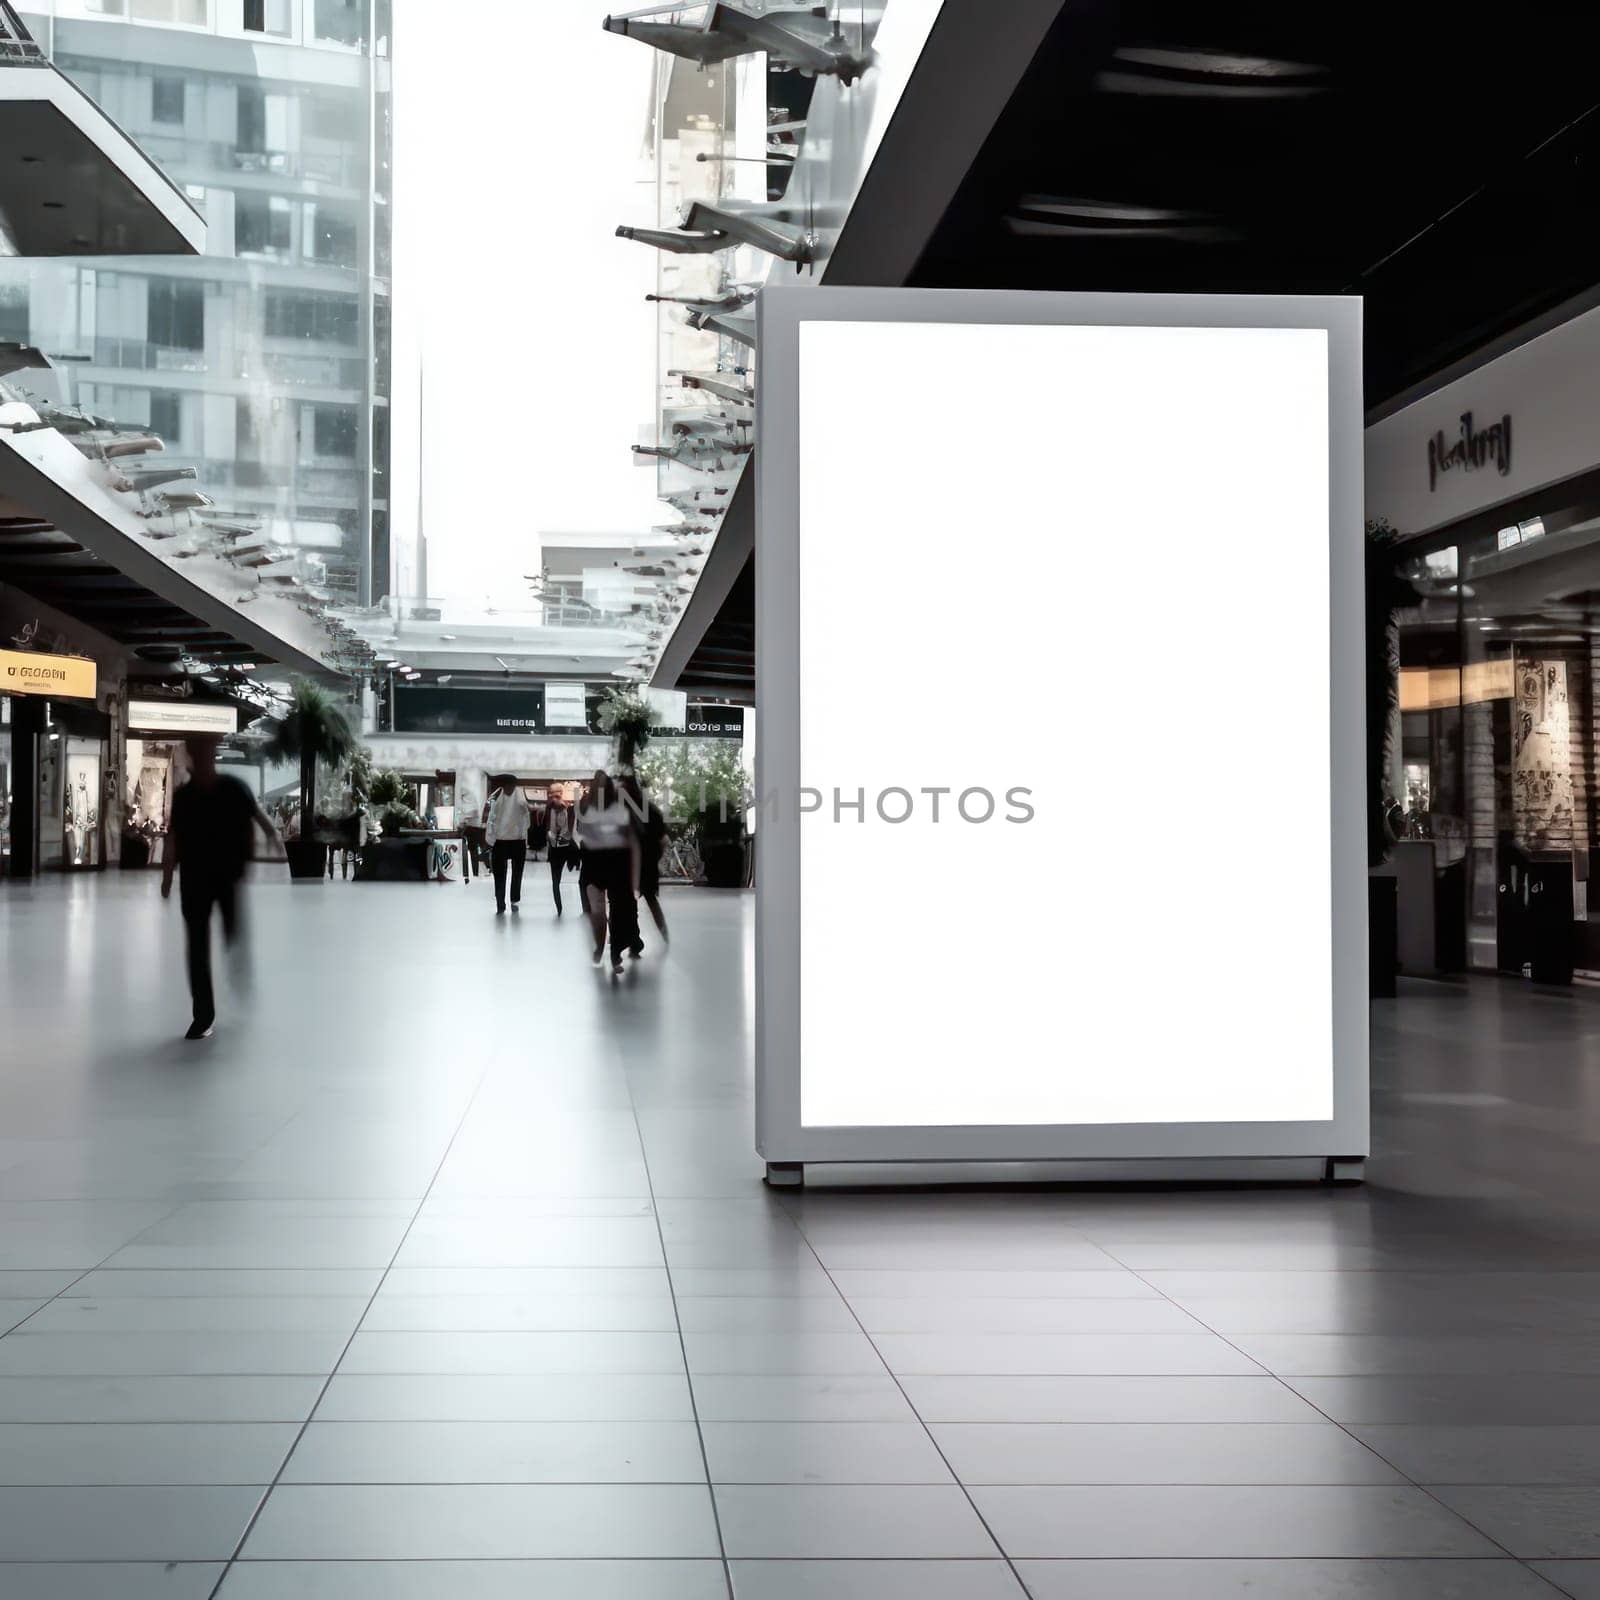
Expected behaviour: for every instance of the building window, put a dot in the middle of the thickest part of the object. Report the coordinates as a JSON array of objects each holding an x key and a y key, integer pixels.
[
  {"x": 167, "y": 100},
  {"x": 334, "y": 432},
  {"x": 380, "y": 452},
  {"x": 325, "y": 318},
  {"x": 192, "y": 13},
  {"x": 247, "y": 431},
  {"x": 177, "y": 314},
  {"x": 263, "y": 122},
  {"x": 341, "y": 21},
  {"x": 14, "y": 313},
  {"x": 335, "y": 117},
  {"x": 262, "y": 225},
  {"x": 328, "y": 237},
  {"x": 267, "y": 16},
  {"x": 166, "y": 415}
]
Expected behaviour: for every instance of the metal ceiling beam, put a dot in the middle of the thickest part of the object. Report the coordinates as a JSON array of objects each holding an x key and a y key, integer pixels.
[
  {"x": 967, "y": 72},
  {"x": 731, "y": 549},
  {"x": 24, "y": 483}
]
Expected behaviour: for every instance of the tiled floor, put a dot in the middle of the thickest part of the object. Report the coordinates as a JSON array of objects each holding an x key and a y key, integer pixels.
[{"x": 445, "y": 1273}]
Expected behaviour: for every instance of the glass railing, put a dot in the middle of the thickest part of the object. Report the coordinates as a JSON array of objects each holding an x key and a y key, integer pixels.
[
  {"x": 290, "y": 368},
  {"x": 139, "y": 355},
  {"x": 211, "y": 159}
]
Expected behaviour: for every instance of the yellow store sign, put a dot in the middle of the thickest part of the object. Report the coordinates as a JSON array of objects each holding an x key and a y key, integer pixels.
[{"x": 61, "y": 677}]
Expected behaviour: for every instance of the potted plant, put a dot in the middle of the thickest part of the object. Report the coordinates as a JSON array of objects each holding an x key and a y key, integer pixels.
[
  {"x": 313, "y": 729},
  {"x": 359, "y": 778},
  {"x": 628, "y": 717},
  {"x": 387, "y": 789},
  {"x": 396, "y": 816},
  {"x": 721, "y": 799},
  {"x": 1387, "y": 592}
]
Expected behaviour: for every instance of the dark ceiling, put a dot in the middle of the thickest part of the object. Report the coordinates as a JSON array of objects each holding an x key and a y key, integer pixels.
[
  {"x": 724, "y": 662},
  {"x": 44, "y": 563},
  {"x": 1440, "y": 162}
]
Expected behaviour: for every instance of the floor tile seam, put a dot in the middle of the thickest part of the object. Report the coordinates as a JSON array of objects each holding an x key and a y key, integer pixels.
[
  {"x": 722, "y": 1482},
  {"x": 677, "y": 1315},
  {"x": 327, "y": 1378},
  {"x": 1421, "y": 1488},
  {"x": 646, "y": 1561},
  {"x": 894, "y": 1377},
  {"x": 66, "y": 1289}
]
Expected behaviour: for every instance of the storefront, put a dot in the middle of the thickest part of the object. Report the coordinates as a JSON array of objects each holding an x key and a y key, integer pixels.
[
  {"x": 54, "y": 773},
  {"x": 1492, "y": 485}
]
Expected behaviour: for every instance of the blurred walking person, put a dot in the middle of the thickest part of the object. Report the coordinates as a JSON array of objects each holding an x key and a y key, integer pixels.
[
  {"x": 561, "y": 844},
  {"x": 474, "y": 834},
  {"x": 610, "y": 877},
  {"x": 210, "y": 835},
  {"x": 651, "y": 826},
  {"x": 508, "y": 840}
]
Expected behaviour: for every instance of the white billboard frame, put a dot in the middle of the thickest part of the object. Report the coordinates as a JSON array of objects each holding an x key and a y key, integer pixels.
[{"x": 782, "y": 1138}]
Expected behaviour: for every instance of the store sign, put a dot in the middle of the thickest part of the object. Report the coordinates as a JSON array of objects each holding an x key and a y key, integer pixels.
[
  {"x": 509, "y": 712},
  {"x": 181, "y": 717},
  {"x": 714, "y": 722},
  {"x": 565, "y": 706},
  {"x": 1472, "y": 448},
  {"x": 61, "y": 677}
]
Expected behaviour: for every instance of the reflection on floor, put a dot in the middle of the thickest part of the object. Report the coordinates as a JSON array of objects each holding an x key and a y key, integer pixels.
[{"x": 445, "y": 1273}]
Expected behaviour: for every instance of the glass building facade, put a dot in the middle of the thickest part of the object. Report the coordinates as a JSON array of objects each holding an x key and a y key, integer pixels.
[{"x": 263, "y": 364}]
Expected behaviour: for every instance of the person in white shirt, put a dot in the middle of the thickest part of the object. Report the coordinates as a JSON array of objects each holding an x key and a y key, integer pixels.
[
  {"x": 470, "y": 816},
  {"x": 610, "y": 876},
  {"x": 507, "y": 835}
]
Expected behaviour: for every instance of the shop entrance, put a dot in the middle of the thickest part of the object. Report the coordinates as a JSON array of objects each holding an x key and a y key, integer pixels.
[
  {"x": 1495, "y": 763},
  {"x": 53, "y": 773}
]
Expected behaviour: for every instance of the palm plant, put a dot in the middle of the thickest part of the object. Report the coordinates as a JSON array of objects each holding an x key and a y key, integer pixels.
[
  {"x": 391, "y": 795},
  {"x": 313, "y": 729},
  {"x": 359, "y": 775},
  {"x": 388, "y": 788}
]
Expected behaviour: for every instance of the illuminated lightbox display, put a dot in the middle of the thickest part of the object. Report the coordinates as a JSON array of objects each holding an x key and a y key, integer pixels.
[{"x": 1094, "y": 565}]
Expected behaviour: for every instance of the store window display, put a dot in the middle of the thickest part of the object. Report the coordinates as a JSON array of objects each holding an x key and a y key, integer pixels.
[
  {"x": 1497, "y": 763},
  {"x": 156, "y": 769},
  {"x": 82, "y": 805},
  {"x": 71, "y": 797}
]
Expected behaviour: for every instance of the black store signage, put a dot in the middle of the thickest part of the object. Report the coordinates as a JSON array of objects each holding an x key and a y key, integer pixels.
[
  {"x": 508, "y": 712},
  {"x": 431, "y": 709},
  {"x": 713, "y": 722},
  {"x": 1472, "y": 448}
]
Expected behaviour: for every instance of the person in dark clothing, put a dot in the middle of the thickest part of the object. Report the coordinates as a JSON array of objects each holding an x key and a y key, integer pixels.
[
  {"x": 563, "y": 849},
  {"x": 652, "y": 830},
  {"x": 610, "y": 878},
  {"x": 210, "y": 840},
  {"x": 474, "y": 826}
]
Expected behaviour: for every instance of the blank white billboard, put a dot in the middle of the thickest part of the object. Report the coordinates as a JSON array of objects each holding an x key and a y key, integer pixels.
[{"x": 1064, "y": 601}]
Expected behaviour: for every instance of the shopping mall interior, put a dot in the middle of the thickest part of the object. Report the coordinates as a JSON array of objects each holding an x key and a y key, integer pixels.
[{"x": 579, "y": 1020}]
